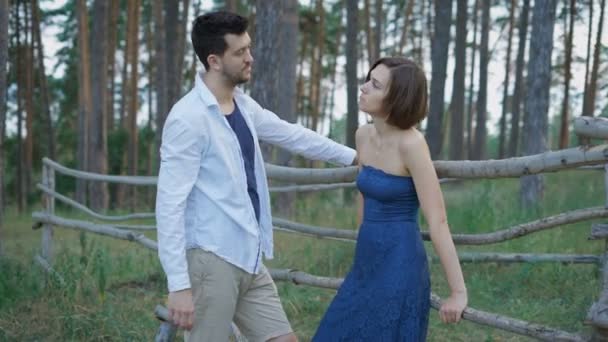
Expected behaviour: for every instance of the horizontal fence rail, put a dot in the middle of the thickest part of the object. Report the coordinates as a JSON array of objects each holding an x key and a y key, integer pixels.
[
  {"x": 297, "y": 277},
  {"x": 591, "y": 127},
  {"x": 510, "y": 233},
  {"x": 513, "y": 167}
]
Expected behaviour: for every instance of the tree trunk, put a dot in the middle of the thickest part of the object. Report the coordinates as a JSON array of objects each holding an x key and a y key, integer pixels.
[
  {"x": 300, "y": 105},
  {"x": 439, "y": 58},
  {"x": 369, "y": 34},
  {"x": 408, "y": 13},
  {"x": 162, "y": 103},
  {"x": 588, "y": 60},
  {"x": 592, "y": 89},
  {"x": 378, "y": 29},
  {"x": 519, "y": 79},
  {"x": 19, "y": 75},
  {"x": 44, "y": 93},
  {"x": 111, "y": 49},
  {"x": 286, "y": 101},
  {"x": 98, "y": 151},
  {"x": 180, "y": 51},
  {"x": 84, "y": 96},
  {"x": 479, "y": 147},
  {"x": 352, "y": 28},
  {"x": 264, "y": 85},
  {"x": 4, "y": 8},
  {"x": 316, "y": 66},
  {"x": 565, "y": 118},
  {"x": 457, "y": 102},
  {"x": 231, "y": 6},
  {"x": 537, "y": 94},
  {"x": 132, "y": 104},
  {"x": 29, "y": 103},
  {"x": 505, "y": 92},
  {"x": 470, "y": 113}
]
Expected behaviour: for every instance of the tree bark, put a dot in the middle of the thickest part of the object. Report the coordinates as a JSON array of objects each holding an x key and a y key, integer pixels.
[
  {"x": 592, "y": 89},
  {"x": 132, "y": 105},
  {"x": 439, "y": 58},
  {"x": 84, "y": 96},
  {"x": 286, "y": 101},
  {"x": 505, "y": 94},
  {"x": 408, "y": 13},
  {"x": 352, "y": 28},
  {"x": 44, "y": 93},
  {"x": 29, "y": 103},
  {"x": 20, "y": 85},
  {"x": 564, "y": 136},
  {"x": 160, "y": 78},
  {"x": 112, "y": 43},
  {"x": 588, "y": 59},
  {"x": 264, "y": 86},
  {"x": 470, "y": 113},
  {"x": 378, "y": 29},
  {"x": 457, "y": 102},
  {"x": 97, "y": 134},
  {"x": 479, "y": 147},
  {"x": 4, "y": 8},
  {"x": 316, "y": 66},
  {"x": 537, "y": 97},
  {"x": 369, "y": 34},
  {"x": 519, "y": 79},
  {"x": 180, "y": 51}
]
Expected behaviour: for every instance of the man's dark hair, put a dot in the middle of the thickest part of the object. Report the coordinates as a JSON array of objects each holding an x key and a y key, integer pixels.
[
  {"x": 208, "y": 32},
  {"x": 406, "y": 100}
]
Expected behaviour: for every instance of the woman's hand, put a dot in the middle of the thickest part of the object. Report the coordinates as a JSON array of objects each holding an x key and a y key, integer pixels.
[{"x": 452, "y": 308}]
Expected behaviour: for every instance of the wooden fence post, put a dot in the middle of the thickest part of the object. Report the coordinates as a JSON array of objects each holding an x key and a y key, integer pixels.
[
  {"x": 598, "y": 313},
  {"x": 48, "y": 179}
]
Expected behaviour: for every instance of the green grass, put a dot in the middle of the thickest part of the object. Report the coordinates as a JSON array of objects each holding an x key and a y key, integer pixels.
[{"x": 113, "y": 286}]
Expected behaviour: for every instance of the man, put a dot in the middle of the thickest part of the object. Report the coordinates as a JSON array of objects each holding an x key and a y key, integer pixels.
[{"x": 213, "y": 207}]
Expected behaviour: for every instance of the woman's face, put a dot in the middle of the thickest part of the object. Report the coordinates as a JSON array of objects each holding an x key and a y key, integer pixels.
[{"x": 373, "y": 91}]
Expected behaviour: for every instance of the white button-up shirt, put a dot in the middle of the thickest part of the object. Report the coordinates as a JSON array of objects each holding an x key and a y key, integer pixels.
[{"x": 202, "y": 200}]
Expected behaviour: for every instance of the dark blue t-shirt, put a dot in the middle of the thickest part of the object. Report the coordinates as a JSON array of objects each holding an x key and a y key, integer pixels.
[{"x": 240, "y": 128}]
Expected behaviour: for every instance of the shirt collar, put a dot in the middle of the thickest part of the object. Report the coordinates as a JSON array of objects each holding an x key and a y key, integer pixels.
[{"x": 206, "y": 94}]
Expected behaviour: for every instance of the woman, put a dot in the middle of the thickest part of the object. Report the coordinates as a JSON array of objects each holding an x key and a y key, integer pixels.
[{"x": 385, "y": 296}]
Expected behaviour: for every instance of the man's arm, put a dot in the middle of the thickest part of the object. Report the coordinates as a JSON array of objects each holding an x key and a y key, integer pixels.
[
  {"x": 297, "y": 139},
  {"x": 180, "y": 162}
]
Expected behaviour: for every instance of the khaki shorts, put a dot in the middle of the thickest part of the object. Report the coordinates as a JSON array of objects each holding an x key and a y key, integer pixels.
[{"x": 224, "y": 293}]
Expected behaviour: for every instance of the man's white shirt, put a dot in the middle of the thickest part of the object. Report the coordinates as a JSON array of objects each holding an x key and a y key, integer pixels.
[{"x": 202, "y": 200}]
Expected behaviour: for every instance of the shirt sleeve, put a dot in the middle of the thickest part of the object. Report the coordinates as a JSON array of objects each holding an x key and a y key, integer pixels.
[
  {"x": 180, "y": 155},
  {"x": 298, "y": 139}
]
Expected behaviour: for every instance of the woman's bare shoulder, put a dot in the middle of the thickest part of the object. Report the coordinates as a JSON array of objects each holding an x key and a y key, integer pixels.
[{"x": 412, "y": 140}]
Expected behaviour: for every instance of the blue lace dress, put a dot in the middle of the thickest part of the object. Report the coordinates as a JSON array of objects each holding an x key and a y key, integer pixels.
[{"x": 385, "y": 296}]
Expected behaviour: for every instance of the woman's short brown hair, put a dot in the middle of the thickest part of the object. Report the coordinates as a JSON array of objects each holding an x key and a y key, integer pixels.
[{"x": 406, "y": 100}]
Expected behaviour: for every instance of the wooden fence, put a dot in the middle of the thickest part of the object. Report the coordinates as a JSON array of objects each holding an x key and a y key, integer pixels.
[{"x": 324, "y": 179}]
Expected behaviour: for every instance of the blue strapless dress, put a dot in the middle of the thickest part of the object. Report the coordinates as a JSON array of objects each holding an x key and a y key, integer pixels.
[{"x": 386, "y": 294}]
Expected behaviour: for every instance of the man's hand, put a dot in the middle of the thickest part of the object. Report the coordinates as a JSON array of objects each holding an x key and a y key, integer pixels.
[{"x": 181, "y": 308}]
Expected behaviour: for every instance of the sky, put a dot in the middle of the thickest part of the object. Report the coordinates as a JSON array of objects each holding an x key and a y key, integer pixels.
[{"x": 496, "y": 68}]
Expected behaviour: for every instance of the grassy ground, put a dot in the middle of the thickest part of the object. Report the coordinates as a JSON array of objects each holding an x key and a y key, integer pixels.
[{"x": 113, "y": 286}]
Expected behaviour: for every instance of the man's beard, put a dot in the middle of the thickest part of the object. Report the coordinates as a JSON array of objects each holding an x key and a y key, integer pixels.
[{"x": 236, "y": 78}]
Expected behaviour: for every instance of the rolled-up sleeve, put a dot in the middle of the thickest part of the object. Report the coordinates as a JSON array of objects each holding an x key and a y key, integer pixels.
[
  {"x": 298, "y": 139},
  {"x": 180, "y": 155}
]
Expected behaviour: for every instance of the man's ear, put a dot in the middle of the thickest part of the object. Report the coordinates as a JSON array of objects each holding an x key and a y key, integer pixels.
[{"x": 214, "y": 62}]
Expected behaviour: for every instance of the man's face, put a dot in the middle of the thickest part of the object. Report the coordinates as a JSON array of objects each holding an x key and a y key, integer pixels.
[{"x": 237, "y": 60}]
